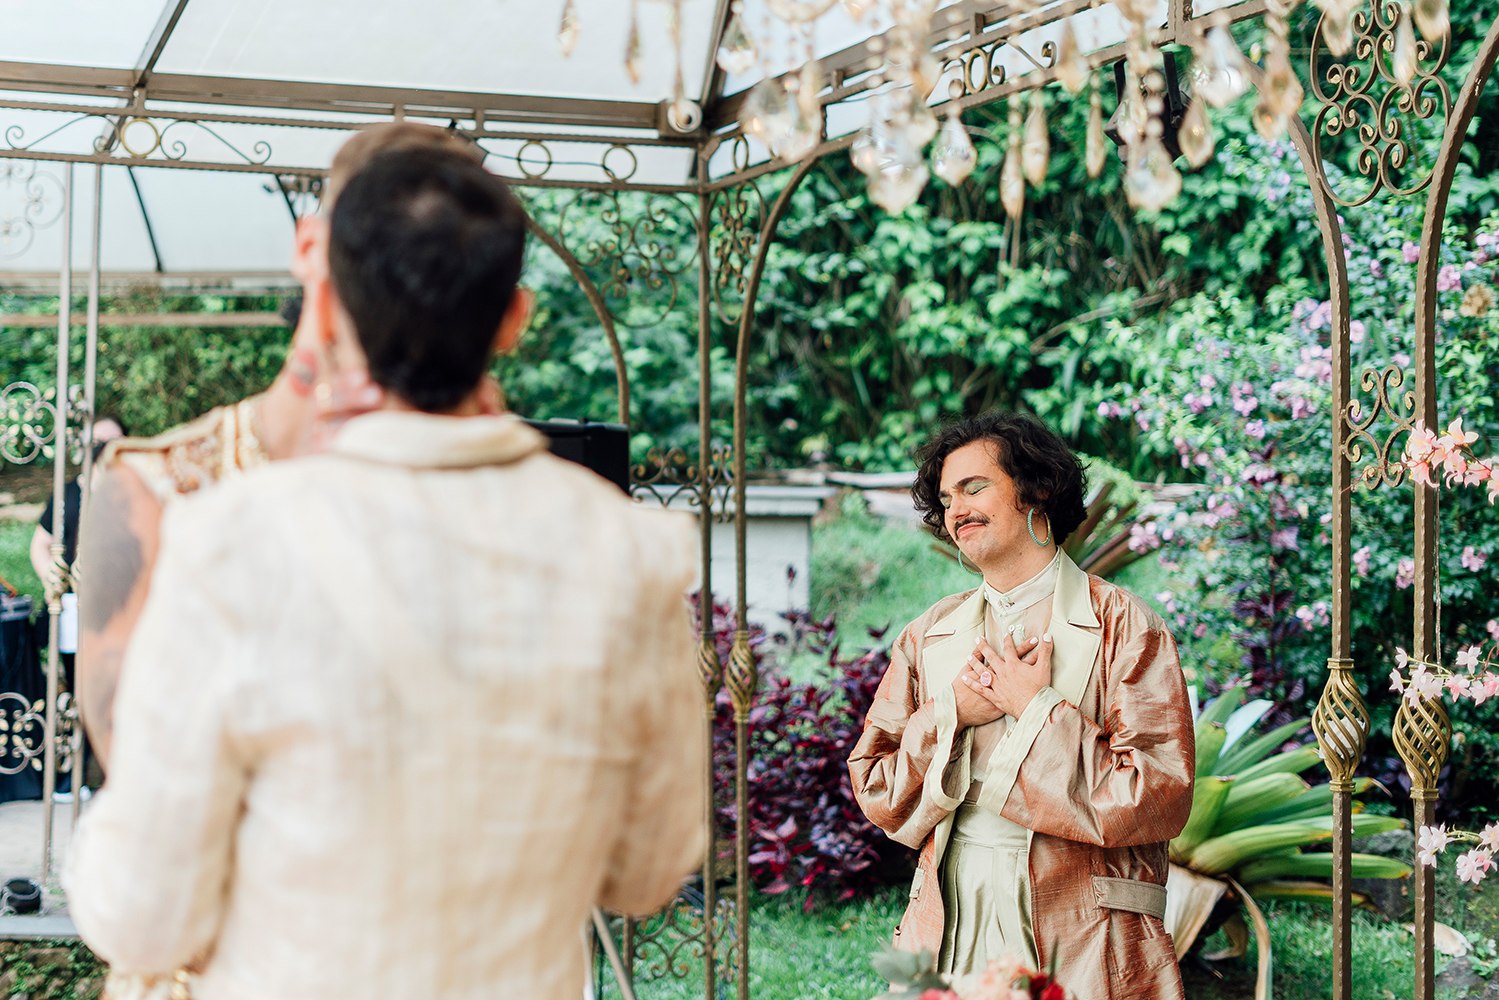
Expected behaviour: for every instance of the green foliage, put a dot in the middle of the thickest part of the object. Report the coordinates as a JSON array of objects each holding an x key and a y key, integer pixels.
[{"x": 15, "y": 559}]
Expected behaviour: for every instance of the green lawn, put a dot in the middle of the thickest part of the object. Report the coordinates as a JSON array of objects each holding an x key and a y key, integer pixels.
[{"x": 15, "y": 563}]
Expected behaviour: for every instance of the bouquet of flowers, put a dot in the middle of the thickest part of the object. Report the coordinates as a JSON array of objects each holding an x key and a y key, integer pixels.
[{"x": 912, "y": 977}]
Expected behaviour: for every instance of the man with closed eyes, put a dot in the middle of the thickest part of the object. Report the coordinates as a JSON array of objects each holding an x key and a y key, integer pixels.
[{"x": 1032, "y": 737}]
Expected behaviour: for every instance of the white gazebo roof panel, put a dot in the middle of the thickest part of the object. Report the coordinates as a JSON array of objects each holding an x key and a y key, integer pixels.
[
  {"x": 106, "y": 33},
  {"x": 482, "y": 46}
]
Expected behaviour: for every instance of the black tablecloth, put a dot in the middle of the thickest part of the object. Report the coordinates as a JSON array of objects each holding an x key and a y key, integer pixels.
[{"x": 21, "y": 682}]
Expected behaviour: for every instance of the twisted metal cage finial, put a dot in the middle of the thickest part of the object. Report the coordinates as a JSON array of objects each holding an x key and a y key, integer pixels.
[
  {"x": 741, "y": 676},
  {"x": 1341, "y": 722},
  {"x": 1423, "y": 736}
]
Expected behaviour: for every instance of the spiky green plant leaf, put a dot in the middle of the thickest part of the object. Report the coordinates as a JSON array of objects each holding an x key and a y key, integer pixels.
[
  {"x": 1209, "y": 738},
  {"x": 1244, "y": 755},
  {"x": 1248, "y": 799},
  {"x": 1290, "y": 762},
  {"x": 1208, "y": 795},
  {"x": 1318, "y": 865},
  {"x": 1225, "y": 853},
  {"x": 1220, "y": 708}
]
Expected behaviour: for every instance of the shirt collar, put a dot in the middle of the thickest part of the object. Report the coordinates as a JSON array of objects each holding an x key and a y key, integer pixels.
[
  {"x": 1031, "y": 592},
  {"x": 432, "y": 441}
]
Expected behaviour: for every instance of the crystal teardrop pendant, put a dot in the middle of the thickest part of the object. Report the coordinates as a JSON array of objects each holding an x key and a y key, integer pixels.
[
  {"x": 737, "y": 53},
  {"x": 1268, "y": 122},
  {"x": 1281, "y": 91},
  {"x": 803, "y": 129},
  {"x": 1072, "y": 65},
  {"x": 1196, "y": 135},
  {"x": 865, "y": 152},
  {"x": 953, "y": 155},
  {"x": 1151, "y": 182},
  {"x": 1403, "y": 59},
  {"x": 1432, "y": 19},
  {"x": 900, "y": 175},
  {"x": 855, "y": 9},
  {"x": 632, "y": 48},
  {"x": 1035, "y": 152},
  {"x": 1011, "y": 180},
  {"x": 1132, "y": 113},
  {"x": 1222, "y": 77},
  {"x": 921, "y": 124},
  {"x": 1096, "y": 150},
  {"x": 567, "y": 31},
  {"x": 767, "y": 112},
  {"x": 1337, "y": 31}
]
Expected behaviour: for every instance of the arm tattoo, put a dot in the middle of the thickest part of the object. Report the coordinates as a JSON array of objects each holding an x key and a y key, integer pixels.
[
  {"x": 111, "y": 552},
  {"x": 116, "y": 553}
]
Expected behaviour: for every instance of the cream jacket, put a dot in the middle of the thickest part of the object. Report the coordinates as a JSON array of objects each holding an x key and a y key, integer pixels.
[{"x": 393, "y": 720}]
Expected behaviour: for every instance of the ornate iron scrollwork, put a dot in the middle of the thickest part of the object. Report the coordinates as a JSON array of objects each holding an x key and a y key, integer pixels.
[
  {"x": 1377, "y": 119},
  {"x": 21, "y": 728},
  {"x": 740, "y": 215},
  {"x": 139, "y": 137},
  {"x": 39, "y": 207},
  {"x": 28, "y": 422},
  {"x": 1382, "y": 471},
  {"x": 666, "y": 944},
  {"x": 666, "y": 476}
]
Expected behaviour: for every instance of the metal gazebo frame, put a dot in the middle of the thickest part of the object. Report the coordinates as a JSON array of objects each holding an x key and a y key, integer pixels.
[{"x": 735, "y": 228}]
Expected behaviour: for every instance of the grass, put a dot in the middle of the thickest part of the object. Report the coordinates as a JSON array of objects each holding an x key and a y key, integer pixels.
[
  {"x": 15, "y": 560},
  {"x": 825, "y": 953}
]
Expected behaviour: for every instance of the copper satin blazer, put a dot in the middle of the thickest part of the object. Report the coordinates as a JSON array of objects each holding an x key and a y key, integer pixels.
[{"x": 1105, "y": 784}]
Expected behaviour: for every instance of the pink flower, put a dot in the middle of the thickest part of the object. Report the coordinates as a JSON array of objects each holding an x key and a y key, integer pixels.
[
  {"x": 1474, "y": 865},
  {"x": 1493, "y": 629},
  {"x": 1255, "y": 429},
  {"x": 1285, "y": 538},
  {"x": 1410, "y": 252},
  {"x": 1361, "y": 561},
  {"x": 1421, "y": 474},
  {"x": 1208, "y": 382},
  {"x": 1457, "y": 686},
  {"x": 1448, "y": 278},
  {"x": 1397, "y": 682},
  {"x": 1489, "y": 838},
  {"x": 1424, "y": 684},
  {"x": 1402, "y": 360},
  {"x": 1245, "y": 405},
  {"x": 1467, "y": 659},
  {"x": 1405, "y": 573},
  {"x": 1301, "y": 408},
  {"x": 1473, "y": 559},
  {"x": 1200, "y": 631},
  {"x": 1458, "y": 436},
  {"x": 1434, "y": 841},
  {"x": 1402, "y": 658},
  {"x": 1422, "y": 444},
  {"x": 1375, "y": 268},
  {"x": 1356, "y": 332}
]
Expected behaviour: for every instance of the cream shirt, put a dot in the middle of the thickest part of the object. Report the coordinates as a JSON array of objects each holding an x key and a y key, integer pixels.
[{"x": 393, "y": 720}]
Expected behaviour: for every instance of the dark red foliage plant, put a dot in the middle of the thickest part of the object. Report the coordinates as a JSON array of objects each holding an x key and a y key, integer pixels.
[{"x": 806, "y": 829}]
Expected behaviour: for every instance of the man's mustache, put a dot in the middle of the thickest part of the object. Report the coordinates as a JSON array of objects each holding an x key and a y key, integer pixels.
[{"x": 970, "y": 519}]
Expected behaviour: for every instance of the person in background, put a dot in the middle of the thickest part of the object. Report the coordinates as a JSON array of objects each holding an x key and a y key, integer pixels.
[
  {"x": 1032, "y": 737},
  {"x": 140, "y": 477},
  {"x": 106, "y": 429}
]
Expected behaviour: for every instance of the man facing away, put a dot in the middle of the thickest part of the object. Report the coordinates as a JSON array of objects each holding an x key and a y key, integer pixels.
[
  {"x": 1032, "y": 738},
  {"x": 395, "y": 717},
  {"x": 139, "y": 477}
]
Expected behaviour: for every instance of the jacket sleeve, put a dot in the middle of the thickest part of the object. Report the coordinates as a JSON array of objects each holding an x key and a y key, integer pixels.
[
  {"x": 1128, "y": 781},
  {"x": 147, "y": 874},
  {"x": 663, "y": 833},
  {"x": 891, "y": 767}
]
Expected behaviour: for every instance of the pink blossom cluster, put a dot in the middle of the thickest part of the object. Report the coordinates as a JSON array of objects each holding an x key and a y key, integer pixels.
[
  {"x": 1473, "y": 865},
  {"x": 1149, "y": 536},
  {"x": 1449, "y": 278},
  {"x": 1313, "y": 615},
  {"x": 1244, "y": 400},
  {"x": 1472, "y": 677},
  {"x": 1316, "y": 364},
  {"x": 1426, "y": 452},
  {"x": 1361, "y": 560}
]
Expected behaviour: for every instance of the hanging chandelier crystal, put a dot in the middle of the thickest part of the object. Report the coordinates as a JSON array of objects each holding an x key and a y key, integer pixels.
[{"x": 784, "y": 111}]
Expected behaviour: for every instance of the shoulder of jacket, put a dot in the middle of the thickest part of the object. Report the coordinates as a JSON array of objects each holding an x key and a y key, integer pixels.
[
  {"x": 1110, "y": 599},
  {"x": 916, "y": 631}
]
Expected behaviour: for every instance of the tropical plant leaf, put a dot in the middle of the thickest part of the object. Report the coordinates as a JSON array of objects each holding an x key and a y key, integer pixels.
[
  {"x": 1209, "y": 738},
  {"x": 1290, "y": 762},
  {"x": 1245, "y": 718},
  {"x": 1225, "y": 853},
  {"x": 1319, "y": 865},
  {"x": 1290, "y": 889},
  {"x": 1248, "y": 799},
  {"x": 1220, "y": 708},
  {"x": 1208, "y": 795},
  {"x": 1254, "y": 751},
  {"x": 1317, "y": 801}
]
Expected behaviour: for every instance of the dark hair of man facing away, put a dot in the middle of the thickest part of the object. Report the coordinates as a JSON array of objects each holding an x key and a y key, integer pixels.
[
  {"x": 1046, "y": 473},
  {"x": 425, "y": 251}
]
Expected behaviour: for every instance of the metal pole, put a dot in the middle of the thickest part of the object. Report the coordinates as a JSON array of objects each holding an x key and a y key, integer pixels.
[
  {"x": 710, "y": 670},
  {"x": 59, "y": 519},
  {"x": 86, "y": 476}
]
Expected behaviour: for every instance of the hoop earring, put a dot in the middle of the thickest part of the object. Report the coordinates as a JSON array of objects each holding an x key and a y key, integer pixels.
[
  {"x": 1032, "y": 529},
  {"x": 975, "y": 571}
]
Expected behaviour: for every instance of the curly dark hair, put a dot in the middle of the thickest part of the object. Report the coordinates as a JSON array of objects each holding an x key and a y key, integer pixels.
[{"x": 1047, "y": 474}]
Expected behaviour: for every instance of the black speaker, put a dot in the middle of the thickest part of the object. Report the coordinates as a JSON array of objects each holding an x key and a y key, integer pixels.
[{"x": 602, "y": 448}]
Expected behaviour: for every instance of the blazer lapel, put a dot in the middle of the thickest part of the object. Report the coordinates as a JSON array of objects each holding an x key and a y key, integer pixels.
[
  {"x": 950, "y": 642},
  {"x": 1075, "y": 633}
]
